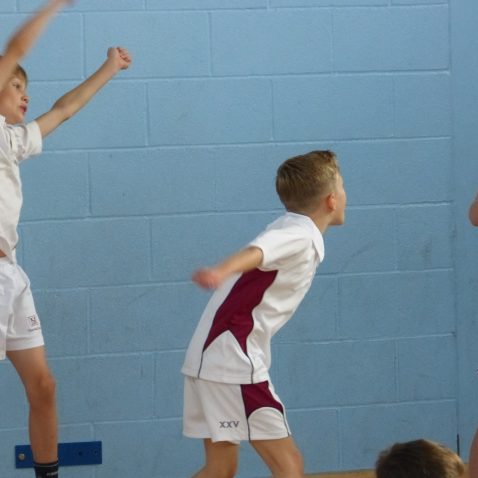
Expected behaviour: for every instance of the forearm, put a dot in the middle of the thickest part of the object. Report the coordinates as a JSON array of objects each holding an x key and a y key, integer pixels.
[
  {"x": 243, "y": 261},
  {"x": 117, "y": 59},
  {"x": 73, "y": 101},
  {"x": 23, "y": 40}
]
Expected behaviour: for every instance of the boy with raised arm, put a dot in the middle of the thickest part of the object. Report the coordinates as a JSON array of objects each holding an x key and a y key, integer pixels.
[{"x": 21, "y": 337}]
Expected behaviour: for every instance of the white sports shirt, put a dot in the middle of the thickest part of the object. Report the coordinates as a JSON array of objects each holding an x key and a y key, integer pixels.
[
  {"x": 231, "y": 343},
  {"x": 16, "y": 143}
]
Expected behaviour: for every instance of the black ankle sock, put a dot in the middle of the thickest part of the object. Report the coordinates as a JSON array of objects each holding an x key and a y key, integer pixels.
[{"x": 46, "y": 470}]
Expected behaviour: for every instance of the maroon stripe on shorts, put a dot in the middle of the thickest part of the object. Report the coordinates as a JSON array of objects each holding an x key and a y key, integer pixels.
[{"x": 258, "y": 395}]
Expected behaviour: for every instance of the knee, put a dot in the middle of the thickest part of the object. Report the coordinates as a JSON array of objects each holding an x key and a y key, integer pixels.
[
  {"x": 227, "y": 471},
  {"x": 230, "y": 472},
  {"x": 291, "y": 465},
  {"x": 296, "y": 461},
  {"x": 42, "y": 391},
  {"x": 208, "y": 471},
  {"x": 301, "y": 464}
]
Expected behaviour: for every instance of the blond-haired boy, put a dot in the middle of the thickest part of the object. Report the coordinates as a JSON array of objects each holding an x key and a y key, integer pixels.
[{"x": 228, "y": 395}]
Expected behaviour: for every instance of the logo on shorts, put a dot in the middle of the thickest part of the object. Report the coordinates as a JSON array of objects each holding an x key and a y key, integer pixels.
[
  {"x": 231, "y": 424},
  {"x": 33, "y": 322}
]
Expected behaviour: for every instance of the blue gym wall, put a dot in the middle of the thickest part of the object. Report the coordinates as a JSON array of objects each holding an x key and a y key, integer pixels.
[{"x": 172, "y": 166}]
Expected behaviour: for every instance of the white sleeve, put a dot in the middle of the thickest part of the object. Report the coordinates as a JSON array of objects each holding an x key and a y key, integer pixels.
[
  {"x": 278, "y": 245},
  {"x": 26, "y": 140}
]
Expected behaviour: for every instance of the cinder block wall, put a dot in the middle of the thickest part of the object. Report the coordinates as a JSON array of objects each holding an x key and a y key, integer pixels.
[{"x": 172, "y": 166}]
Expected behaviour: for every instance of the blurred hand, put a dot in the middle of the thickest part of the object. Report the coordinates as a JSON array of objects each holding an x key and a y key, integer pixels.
[{"x": 207, "y": 278}]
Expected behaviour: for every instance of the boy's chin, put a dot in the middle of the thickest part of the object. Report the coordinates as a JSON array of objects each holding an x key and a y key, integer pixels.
[
  {"x": 338, "y": 222},
  {"x": 13, "y": 120}
]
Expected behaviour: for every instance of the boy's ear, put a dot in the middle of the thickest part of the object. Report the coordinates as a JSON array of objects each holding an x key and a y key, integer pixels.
[{"x": 330, "y": 201}]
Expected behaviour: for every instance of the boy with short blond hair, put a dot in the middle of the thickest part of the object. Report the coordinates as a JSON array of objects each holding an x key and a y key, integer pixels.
[
  {"x": 419, "y": 459},
  {"x": 21, "y": 338},
  {"x": 228, "y": 396}
]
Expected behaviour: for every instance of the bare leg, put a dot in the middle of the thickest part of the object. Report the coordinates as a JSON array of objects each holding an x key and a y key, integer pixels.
[
  {"x": 281, "y": 456},
  {"x": 221, "y": 460},
  {"x": 39, "y": 384}
]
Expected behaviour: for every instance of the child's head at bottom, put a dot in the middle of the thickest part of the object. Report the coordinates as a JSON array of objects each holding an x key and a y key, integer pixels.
[{"x": 419, "y": 459}]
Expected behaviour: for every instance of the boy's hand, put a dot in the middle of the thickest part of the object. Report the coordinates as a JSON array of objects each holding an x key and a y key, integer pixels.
[
  {"x": 207, "y": 278},
  {"x": 120, "y": 57}
]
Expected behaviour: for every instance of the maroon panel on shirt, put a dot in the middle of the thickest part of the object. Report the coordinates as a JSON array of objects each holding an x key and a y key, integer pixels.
[
  {"x": 235, "y": 313},
  {"x": 258, "y": 395}
]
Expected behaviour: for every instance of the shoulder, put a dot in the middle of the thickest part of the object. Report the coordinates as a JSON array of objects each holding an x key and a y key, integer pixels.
[
  {"x": 304, "y": 231},
  {"x": 286, "y": 239},
  {"x": 5, "y": 136},
  {"x": 3, "y": 125},
  {"x": 31, "y": 128},
  {"x": 292, "y": 224},
  {"x": 28, "y": 139}
]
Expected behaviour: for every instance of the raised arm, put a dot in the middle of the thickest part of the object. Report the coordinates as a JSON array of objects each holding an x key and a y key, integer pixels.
[
  {"x": 25, "y": 37},
  {"x": 69, "y": 104},
  {"x": 473, "y": 212},
  {"x": 242, "y": 261}
]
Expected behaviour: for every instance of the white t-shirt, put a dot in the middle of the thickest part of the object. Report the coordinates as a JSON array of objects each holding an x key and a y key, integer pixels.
[
  {"x": 231, "y": 343},
  {"x": 16, "y": 143}
]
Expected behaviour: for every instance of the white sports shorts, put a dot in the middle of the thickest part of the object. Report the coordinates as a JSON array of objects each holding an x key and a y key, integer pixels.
[
  {"x": 229, "y": 412},
  {"x": 20, "y": 327}
]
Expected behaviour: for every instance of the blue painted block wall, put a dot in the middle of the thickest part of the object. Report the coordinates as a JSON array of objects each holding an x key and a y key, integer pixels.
[{"x": 172, "y": 166}]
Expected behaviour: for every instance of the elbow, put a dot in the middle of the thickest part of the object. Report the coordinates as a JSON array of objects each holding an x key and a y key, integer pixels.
[
  {"x": 62, "y": 112},
  {"x": 66, "y": 116}
]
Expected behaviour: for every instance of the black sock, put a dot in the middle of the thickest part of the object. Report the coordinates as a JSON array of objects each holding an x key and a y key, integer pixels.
[{"x": 46, "y": 470}]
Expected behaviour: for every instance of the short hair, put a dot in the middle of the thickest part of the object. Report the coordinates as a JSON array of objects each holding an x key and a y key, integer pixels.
[
  {"x": 419, "y": 459},
  {"x": 20, "y": 71},
  {"x": 302, "y": 180}
]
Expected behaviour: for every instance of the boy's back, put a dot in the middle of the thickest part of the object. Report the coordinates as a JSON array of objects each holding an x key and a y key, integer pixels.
[{"x": 232, "y": 341}]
